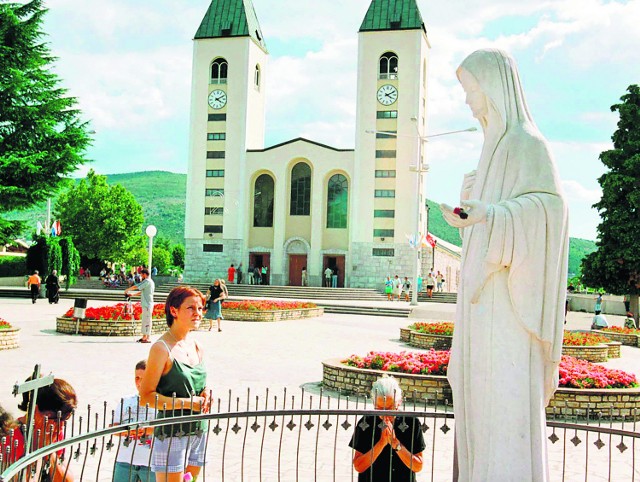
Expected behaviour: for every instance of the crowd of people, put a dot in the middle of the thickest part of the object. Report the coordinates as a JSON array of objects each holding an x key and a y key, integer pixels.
[{"x": 398, "y": 288}]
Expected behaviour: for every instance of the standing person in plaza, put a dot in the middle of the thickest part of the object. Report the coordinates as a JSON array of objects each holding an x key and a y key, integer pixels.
[
  {"x": 327, "y": 277},
  {"x": 34, "y": 283},
  {"x": 52, "y": 283},
  {"x": 132, "y": 461},
  {"x": 231, "y": 274},
  {"x": 304, "y": 277},
  {"x": 257, "y": 275},
  {"x": 406, "y": 288},
  {"x": 334, "y": 277},
  {"x": 439, "y": 280},
  {"x": 385, "y": 451},
  {"x": 598, "y": 306},
  {"x": 217, "y": 293},
  {"x": 250, "y": 272},
  {"x": 145, "y": 289},
  {"x": 176, "y": 379},
  {"x": 239, "y": 273},
  {"x": 265, "y": 275},
  {"x": 388, "y": 288}
]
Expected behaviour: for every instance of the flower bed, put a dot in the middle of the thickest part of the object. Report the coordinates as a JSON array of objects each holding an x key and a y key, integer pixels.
[
  {"x": 267, "y": 310},
  {"x": 583, "y": 385},
  {"x": 436, "y": 335},
  {"x": 586, "y": 346},
  {"x": 626, "y": 336},
  {"x": 8, "y": 335},
  {"x": 111, "y": 321}
]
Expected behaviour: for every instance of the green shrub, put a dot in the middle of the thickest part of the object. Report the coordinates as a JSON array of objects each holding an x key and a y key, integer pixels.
[{"x": 13, "y": 266}]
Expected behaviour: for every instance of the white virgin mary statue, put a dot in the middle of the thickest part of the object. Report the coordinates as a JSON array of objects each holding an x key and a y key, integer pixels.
[{"x": 507, "y": 341}]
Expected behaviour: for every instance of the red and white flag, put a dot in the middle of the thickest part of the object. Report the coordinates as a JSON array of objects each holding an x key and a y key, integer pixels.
[
  {"x": 58, "y": 228},
  {"x": 431, "y": 241}
]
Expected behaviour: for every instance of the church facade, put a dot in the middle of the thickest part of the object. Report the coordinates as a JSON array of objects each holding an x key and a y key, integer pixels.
[{"x": 303, "y": 204}]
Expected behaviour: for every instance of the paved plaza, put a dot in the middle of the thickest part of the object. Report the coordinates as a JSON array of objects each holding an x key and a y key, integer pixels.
[{"x": 258, "y": 356}]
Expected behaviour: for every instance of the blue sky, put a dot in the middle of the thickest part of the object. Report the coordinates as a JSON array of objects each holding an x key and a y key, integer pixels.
[{"x": 129, "y": 64}]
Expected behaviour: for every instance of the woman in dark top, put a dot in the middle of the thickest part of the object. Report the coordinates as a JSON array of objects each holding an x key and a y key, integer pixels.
[
  {"x": 53, "y": 287},
  {"x": 217, "y": 293},
  {"x": 176, "y": 379}
]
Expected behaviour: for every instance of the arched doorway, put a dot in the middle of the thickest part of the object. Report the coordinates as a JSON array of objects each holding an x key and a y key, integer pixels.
[{"x": 296, "y": 250}]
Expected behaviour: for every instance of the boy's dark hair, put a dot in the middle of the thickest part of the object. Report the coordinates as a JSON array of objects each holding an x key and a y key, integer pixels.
[{"x": 141, "y": 365}]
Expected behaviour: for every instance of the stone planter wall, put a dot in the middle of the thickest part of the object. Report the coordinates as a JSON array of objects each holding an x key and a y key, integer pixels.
[
  {"x": 107, "y": 327},
  {"x": 9, "y": 339},
  {"x": 596, "y": 354},
  {"x": 629, "y": 340},
  {"x": 428, "y": 341},
  {"x": 567, "y": 403},
  {"x": 358, "y": 381},
  {"x": 405, "y": 334},
  {"x": 614, "y": 349},
  {"x": 274, "y": 315}
]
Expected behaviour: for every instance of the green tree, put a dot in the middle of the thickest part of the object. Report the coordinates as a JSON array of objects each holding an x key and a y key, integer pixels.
[
  {"x": 161, "y": 259},
  {"x": 104, "y": 221},
  {"x": 138, "y": 256},
  {"x": 54, "y": 255},
  {"x": 70, "y": 260},
  {"x": 42, "y": 138},
  {"x": 177, "y": 256},
  {"x": 615, "y": 265}
]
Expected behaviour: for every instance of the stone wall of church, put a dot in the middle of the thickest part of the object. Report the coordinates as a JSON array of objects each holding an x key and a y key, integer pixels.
[
  {"x": 368, "y": 271},
  {"x": 203, "y": 267}
]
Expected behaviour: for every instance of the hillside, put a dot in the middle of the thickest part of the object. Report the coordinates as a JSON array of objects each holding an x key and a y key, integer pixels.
[{"x": 162, "y": 196}]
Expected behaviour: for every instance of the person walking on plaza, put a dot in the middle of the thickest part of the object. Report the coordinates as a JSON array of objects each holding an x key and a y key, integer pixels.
[
  {"x": 53, "y": 287},
  {"x": 389, "y": 448},
  {"x": 431, "y": 281},
  {"x": 132, "y": 461},
  {"x": 439, "y": 280},
  {"x": 34, "y": 283},
  {"x": 397, "y": 287},
  {"x": 145, "y": 289},
  {"x": 327, "y": 277},
  {"x": 231, "y": 274},
  {"x": 217, "y": 293}
]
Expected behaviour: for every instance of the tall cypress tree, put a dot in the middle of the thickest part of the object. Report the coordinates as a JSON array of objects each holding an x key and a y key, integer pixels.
[
  {"x": 42, "y": 138},
  {"x": 615, "y": 265}
]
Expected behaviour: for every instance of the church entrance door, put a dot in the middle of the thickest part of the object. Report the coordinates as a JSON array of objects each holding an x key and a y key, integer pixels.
[
  {"x": 296, "y": 263},
  {"x": 334, "y": 262},
  {"x": 260, "y": 260}
]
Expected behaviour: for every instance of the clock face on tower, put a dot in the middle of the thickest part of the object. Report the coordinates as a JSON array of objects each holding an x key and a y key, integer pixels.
[
  {"x": 387, "y": 94},
  {"x": 217, "y": 99}
]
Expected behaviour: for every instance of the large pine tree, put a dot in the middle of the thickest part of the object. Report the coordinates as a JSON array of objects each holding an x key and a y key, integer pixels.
[
  {"x": 42, "y": 138},
  {"x": 615, "y": 265}
]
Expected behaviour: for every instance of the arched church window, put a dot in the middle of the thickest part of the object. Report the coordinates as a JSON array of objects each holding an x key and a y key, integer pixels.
[
  {"x": 263, "y": 202},
  {"x": 300, "y": 190},
  {"x": 337, "y": 201},
  {"x": 388, "y": 66},
  {"x": 256, "y": 80},
  {"x": 219, "y": 69}
]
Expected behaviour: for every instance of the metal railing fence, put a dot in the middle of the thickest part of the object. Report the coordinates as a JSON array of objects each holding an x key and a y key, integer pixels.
[{"x": 306, "y": 438}]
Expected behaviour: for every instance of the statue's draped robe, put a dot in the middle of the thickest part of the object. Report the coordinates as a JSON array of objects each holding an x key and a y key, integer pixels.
[{"x": 507, "y": 341}]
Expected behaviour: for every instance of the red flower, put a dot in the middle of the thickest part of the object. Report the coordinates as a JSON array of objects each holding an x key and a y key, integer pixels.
[
  {"x": 5, "y": 325},
  {"x": 118, "y": 312}
]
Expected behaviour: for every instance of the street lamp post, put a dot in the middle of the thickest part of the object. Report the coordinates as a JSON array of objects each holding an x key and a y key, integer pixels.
[
  {"x": 419, "y": 169},
  {"x": 151, "y": 231}
]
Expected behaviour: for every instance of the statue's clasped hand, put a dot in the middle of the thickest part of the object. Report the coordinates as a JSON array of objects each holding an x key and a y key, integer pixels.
[{"x": 476, "y": 213}]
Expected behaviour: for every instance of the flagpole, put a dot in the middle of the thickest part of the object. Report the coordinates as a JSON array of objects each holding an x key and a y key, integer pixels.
[{"x": 47, "y": 227}]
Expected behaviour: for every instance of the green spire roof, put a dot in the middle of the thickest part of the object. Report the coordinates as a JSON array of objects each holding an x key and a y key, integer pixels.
[
  {"x": 231, "y": 18},
  {"x": 392, "y": 15}
]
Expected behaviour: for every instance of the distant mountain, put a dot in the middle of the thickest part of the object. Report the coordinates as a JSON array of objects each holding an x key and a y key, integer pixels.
[{"x": 162, "y": 197}]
